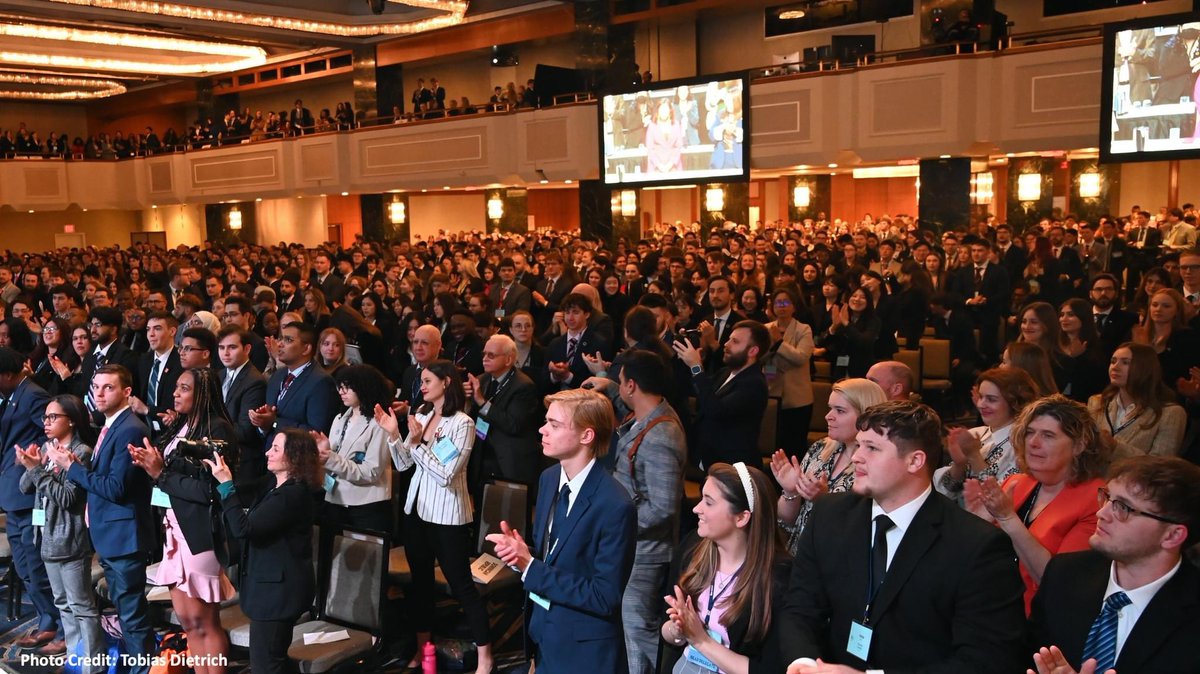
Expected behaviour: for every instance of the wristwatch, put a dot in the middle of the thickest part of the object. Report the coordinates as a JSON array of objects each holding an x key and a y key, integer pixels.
[{"x": 696, "y": 369}]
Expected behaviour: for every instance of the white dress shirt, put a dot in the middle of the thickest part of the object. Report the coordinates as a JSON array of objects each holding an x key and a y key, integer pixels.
[
  {"x": 1139, "y": 599},
  {"x": 901, "y": 518}
]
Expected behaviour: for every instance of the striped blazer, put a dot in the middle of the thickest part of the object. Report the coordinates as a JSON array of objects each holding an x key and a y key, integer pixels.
[{"x": 438, "y": 490}]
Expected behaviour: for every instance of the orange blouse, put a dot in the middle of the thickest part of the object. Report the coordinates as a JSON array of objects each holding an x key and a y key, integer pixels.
[{"x": 1064, "y": 525}]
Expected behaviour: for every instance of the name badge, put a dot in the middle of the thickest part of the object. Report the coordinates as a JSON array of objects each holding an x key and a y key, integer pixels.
[
  {"x": 329, "y": 483},
  {"x": 770, "y": 370},
  {"x": 39, "y": 517},
  {"x": 481, "y": 428},
  {"x": 499, "y": 313},
  {"x": 859, "y": 643},
  {"x": 842, "y": 361},
  {"x": 697, "y": 658},
  {"x": 159, "y": 499},
  {"x": 445, "y": 451},
  {"x": 539, "y": 600}
]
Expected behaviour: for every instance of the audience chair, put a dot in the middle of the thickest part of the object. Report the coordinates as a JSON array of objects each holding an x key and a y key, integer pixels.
[{"x": 818, "y": 428}]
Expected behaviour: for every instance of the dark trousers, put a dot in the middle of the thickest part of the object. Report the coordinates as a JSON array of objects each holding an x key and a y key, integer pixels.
[
  {"x": 791, "y": 430},
  {"x": 451, "y": 545},
  {"x": 269, "y": 642},
  {"x": 126, "y": 577},
  {"x": 31, "y": 570}
]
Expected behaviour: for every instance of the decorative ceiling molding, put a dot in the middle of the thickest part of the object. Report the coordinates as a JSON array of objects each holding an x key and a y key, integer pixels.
[
  {"x": 77, "y": 88},
  {"x": 454, "y": 10}
]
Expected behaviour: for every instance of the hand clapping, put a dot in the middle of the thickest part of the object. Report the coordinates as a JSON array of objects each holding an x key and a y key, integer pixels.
[
  {"x": 147, "y": 458},
  {"x": 511, "y": 547}
]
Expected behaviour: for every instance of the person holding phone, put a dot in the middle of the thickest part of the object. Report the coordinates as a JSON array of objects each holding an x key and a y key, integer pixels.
[{"x": 438, "y": 507}]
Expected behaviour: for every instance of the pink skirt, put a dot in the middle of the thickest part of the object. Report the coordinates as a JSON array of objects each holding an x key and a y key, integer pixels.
[{"x": 198, "y": 576}]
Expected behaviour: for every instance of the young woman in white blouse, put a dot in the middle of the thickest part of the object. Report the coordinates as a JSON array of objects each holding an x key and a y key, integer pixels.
[
  {"x": 983, "y": 451},
  {"x": 358, "y": 482},
  {"x": 438, "y": 508}
]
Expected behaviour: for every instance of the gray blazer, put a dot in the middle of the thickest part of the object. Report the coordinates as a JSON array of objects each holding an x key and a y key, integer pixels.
[
  {"x": 655, "y": 482},
  {"x": 65, "y": 535}
]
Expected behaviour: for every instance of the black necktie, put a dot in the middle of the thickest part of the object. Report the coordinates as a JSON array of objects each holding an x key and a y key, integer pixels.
[
  {"x": 879, "y": 552},
  {"x": 491, "y": 389},
  {"x": 1100, "y": 319}
]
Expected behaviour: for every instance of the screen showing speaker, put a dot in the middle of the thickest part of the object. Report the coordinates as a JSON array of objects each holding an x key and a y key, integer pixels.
[
  {"x": 1150, "y": 87},
  {"x": 676, "y": 132}
]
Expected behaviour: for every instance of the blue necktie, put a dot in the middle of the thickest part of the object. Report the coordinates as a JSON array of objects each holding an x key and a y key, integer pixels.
[
  {"x": 1101, "y": 641},
  {"x": 562, "y": 504}
]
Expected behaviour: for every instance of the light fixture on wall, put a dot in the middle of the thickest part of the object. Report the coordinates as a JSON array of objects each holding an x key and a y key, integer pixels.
[
  {"x": 982, "y": 188},
  {"x": 628, "y": 203},
  {"x": 1029, "y": 187},
  {"x": 495, "y": 207},
  {"x": 1089, "y": 185},
  {"x": 235, "y": 219},
  {"x": 714, "y": 200},
  {"x": 397, "y": 212},
  {"x": 801, "y": 196}
]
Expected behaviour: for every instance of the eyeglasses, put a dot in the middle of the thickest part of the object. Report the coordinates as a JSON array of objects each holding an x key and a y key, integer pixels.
[
  {"x": 1189, "y": 267},
  {"x": 1122, "y": 510},
  {"x": 49, "y": 328},
  {"x": 492, "y": 354},
  {"x": 783, "y": 303},
  {"x": 188, "y": 348},
  {"x": 51, "y": 417}
]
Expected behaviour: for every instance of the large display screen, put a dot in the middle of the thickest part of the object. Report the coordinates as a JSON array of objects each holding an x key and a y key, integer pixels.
[
  {"x": 676, "y": 132},
  {"x": 1150, "y": 89}
]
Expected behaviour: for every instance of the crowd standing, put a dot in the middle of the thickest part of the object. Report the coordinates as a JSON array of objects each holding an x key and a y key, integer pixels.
[{"x": 206, "y": 407}]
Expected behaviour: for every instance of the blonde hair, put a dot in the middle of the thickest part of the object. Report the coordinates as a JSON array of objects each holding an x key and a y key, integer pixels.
[
  {"x": 589, "y": 409},
  {"x": 861, "y": 394}
]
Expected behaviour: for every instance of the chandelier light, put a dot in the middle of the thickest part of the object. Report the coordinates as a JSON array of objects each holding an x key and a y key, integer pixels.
[
  {"x": 455, "y": 11},
  {"x": 80, "y": 88}
]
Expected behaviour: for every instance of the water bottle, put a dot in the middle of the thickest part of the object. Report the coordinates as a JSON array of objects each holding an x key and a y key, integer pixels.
[{"x": 429, "y": 659}]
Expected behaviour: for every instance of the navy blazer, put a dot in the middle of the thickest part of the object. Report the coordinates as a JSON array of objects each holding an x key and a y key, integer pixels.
[
  {"x": 584, "y": 576},
  {"x": 1071, "y": 594},
  {"x": 21, "y": 424},
  {"x": 729, "y": 416},
  {"x": 118, "y": 502},
  {"x": 311, "y": 401},
  {"x": 166, "y": 384},
  {"x": 589, "y": 343}
]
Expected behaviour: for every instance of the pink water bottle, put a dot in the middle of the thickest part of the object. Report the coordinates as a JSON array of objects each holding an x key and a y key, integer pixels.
[{"x": 429, "y": 659}]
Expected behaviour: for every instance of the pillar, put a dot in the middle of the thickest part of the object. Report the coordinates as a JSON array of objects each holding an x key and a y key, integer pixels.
[
  {"x": 944, "y": 201},
  {"x": 365, "y": 94}
]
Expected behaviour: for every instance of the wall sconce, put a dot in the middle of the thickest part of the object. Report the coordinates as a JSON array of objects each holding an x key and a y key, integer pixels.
[
  {"x": 235, "y": 219},
  {"x": 714, "y": 200},
  {"x": 1089, "y": 185},
  {"x": 397, "y": 212},
  {"x": 982, "y": 188},
  {"x": 495, "y": 208},
  {"x": 801, "y": 196},
  {"x": 628, "y": 203},
  {"x": 1029, "y": 187}
]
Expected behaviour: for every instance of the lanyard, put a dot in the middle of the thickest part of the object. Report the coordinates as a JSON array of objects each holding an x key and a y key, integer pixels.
[
  {"x": 1123, "y": 426},
  {"x": 1026, "y": 511},
  {"x": 502, "y": 383},
  {"x": 713, "y": 595}
]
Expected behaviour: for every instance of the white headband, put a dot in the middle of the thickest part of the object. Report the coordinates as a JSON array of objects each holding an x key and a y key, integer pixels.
[{"x": 747, "y": 483}]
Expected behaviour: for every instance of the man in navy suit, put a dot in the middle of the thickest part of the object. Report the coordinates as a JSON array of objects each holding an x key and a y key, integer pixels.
[
  {"x": 1131, "y": 603},
  {"x": 984, "y": 287},
  {"x": 118, "y": 507},
  {"x": 243, "y": 388},
  {"x": 300, "y": 394},
  {"x": 565, "y": 366},
  {"x": 729, "y": 402},
  {"x": 583, "y": 543},
  {"x": 21, "y": 410},
  {"x": 158, "y": 370}
]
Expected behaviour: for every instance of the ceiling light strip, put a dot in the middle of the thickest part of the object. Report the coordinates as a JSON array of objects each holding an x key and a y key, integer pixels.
[
  {"x": 455, "y": 9},
  {"x": 86, "y": 88},
  {"x": 130, "y": 40},
  {"x": 123, "y": 65}
]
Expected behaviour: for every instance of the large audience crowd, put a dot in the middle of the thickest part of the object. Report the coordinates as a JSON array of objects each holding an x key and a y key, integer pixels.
[{"x": 205, "y": 407}]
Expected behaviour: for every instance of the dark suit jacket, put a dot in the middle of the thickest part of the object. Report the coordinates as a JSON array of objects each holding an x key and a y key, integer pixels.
[
  {"x": 589, "y": 343},
  {"x": 333, "y": 287},
  {"x": 583, "y": 577},
  {"x": 518, "y": 298},
  {"x": 118, "y": 354},
  {"x": 961, "y": 333},
  {"x": 714, "y": 359},
  {"x": 1014, "y": 260},
  {"x": 995, "y": 288},
  {"x": 1117, "y": 330},
  {"x": 296, "y": 304},
  {"x": 513, "y": 418},
  {"x": 136, "y": 340},
  {"x": 1070, "y": 597},
  {"x": 193, "y": 494},
  {"x": 247, "y": 392},
  {"x": 21, "y": 425},
  {"x": 277, "y": 578},
  {"x": 1112, "y": 259},
  {"x": 118, "y": 492},
  {"x": 166, "y": 385},
  {"x": 728, "y": 418},
  {"x": 311, "y": 401},
  {"x": 950, "y": 602}
]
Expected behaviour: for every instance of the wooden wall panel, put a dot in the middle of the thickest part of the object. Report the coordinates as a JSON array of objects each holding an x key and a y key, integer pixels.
[
  {"x": 558, "y": 208},
  {"x": 347, "y": 212}
]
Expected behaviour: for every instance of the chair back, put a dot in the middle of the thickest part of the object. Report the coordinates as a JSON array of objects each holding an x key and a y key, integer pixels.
[
  {"x": 354, "y": 592},
  {"x": 821, "y": 391},
  {"x": 935, "y": 357},
  {"x": 767, "y": 442},
  {"x": 502, "y": 501}
]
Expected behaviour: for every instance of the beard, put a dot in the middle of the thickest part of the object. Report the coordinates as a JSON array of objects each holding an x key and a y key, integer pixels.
[{"x": 735, "y": 359}]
